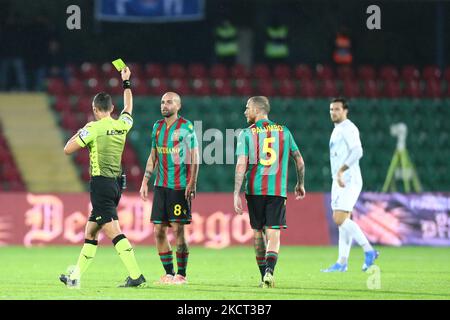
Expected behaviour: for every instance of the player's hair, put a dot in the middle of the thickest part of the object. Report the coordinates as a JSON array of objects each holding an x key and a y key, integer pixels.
[
  {"x": 341, "y": 100},
  {"x": 262, "y": 103},
  {"x": 103, "y": 102}
]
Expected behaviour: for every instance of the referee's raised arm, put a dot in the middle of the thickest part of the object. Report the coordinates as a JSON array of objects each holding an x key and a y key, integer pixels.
[{"x": 127, "y": 95}]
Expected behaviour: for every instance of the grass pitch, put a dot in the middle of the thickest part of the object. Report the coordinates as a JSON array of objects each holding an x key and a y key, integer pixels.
[{"x": 406, "y": 273}]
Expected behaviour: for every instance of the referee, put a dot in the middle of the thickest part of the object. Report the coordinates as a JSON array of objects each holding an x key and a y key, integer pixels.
[{"x": 105, "y": 139}]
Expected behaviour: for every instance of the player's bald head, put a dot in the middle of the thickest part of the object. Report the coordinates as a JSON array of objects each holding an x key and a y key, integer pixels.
[
  {"x": 261, "y": 103},
  {"x": 171, "y": 96}
]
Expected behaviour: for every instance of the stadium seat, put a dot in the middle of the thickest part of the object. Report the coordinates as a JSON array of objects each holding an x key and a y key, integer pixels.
[
  {"x": 308, "y": 88},
  {"x": 108, "y": 70},
  {"x": 261, "y": 71},
  {"x": 222, "y": 87},
  {"x": 113, "y": 86},
  {"x": 154, "y": 70},
  {"x": 328, "y": 88},
  {"x": 94, "y": 86},
  {"x": 239, "y": 71},
  {"x": 391, "y": 89},
  {"x": 76, "y": 87},
  {"x": 140, "y": 87},
  {"x": 366, "y": 73},
  {"x": 410, "y": 73},
  {"x": 324, "y": 72},
  {"x": 265, "y": 88},
  {"x": 180, "y": 86},
  {"x": 351, "y": 88},
  {"x": 89, "y": 70},
  {"x": 287, "y": 88},
  {"x": 345, "y": 73},
  {"x": 433, "y": 88},
  {"x": 243, "y": 87},
  {"x": 175, "y": 70},
  {"x": 56, "y": 86},
  {"x": 62, "y": 103},
  {"x": 201, "y": 87},
  {"x": 412, "y": 88},
  {"x": 388, "y": 73},
  {"x": 218, "y": 71},
  {"x": 303, "y": 71},
  {"x": 158, "y": 86},
  {"x": 282, "y": 71},
  {"x": 136, "y": 69},
  {"x": 197, "y": 70},
  {"x": 431, "y": 73},
  {"x": 370, "y": 89}
]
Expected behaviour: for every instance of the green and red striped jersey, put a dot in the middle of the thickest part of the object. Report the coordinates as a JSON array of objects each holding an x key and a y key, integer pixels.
[
  {"x": 268, "y": 146},
  {"x": 173, "y": 147}
]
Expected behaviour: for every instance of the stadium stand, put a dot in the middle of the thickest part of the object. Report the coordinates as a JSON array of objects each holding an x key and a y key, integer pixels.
[{"x": 379, "y": 97}]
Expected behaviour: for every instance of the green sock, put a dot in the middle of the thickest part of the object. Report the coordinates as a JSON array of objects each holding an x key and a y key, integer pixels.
[
  {"x": 126, "y": 254},
  {"x": 85, "y": 259}
]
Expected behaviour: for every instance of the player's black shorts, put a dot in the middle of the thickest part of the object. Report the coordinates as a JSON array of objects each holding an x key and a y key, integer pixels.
[
  {"x": 266, "y": 211},
  {"x": 170, "y": 206},
  {"x": 105, "y": 195}
]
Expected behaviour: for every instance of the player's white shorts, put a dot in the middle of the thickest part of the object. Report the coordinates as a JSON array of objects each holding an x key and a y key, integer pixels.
[{"x": 344, "y": 199}]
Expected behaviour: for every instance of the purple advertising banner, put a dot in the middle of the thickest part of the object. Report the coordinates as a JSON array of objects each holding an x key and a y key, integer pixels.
[{"x": 397, "y": 219}]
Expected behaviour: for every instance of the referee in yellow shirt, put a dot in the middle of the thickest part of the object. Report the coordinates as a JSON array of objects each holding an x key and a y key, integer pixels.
[{"x": 105, "y": 139}]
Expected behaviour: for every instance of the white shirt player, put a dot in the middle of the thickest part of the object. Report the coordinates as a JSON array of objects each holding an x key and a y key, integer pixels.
[{"x": 346, "y": 148}]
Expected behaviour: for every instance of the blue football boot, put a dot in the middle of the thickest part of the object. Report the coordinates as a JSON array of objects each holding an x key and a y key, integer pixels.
[
  {"x": 369, "y": 259},
  {"x": 337, "y": 267}
]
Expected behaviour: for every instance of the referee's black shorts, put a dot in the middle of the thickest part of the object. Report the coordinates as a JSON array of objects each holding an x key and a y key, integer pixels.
[
  {"x": 105, "y": 196},
  {"x": 170, "y": 205},
  {"x": 266, "y": 212}
]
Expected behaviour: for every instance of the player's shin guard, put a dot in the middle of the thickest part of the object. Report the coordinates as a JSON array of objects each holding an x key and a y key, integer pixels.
[
  {"x": 167, "y": 261},
  {"x": 85, "y": 258},
  {"x": 271, "y": 260},
  {"x": 126, "y": 254}
]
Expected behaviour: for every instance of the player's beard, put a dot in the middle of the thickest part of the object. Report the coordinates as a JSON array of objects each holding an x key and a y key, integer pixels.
[{"x": 168, "y": 114}]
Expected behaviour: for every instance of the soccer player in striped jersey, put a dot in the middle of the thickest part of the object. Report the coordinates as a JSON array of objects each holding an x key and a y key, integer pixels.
[
  {"x": 174, "y": 157},
  {"x": 263, "y": 152}
]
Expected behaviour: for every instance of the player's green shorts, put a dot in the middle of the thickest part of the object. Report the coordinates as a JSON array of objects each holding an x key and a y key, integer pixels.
[
  {"x": 266, "y": 212},
  {"x": 105, "y": 196},
  {"x": 170, "y": 206}
]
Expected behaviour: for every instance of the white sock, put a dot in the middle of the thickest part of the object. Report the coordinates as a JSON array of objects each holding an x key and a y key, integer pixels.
[
  {"x": 355, "y": 231},
  {"x": 345, "y": 244}
]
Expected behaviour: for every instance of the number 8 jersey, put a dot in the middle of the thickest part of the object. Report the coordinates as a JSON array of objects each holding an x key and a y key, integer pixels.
[{"x": 267, "y": 146}]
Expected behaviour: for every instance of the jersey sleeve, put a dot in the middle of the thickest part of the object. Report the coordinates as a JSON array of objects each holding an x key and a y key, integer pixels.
[
  {"x": 351, "y": 137},
  {"x": 126, "y": 120},
  {"x": 292, "y": 145},
  {"x": 155, "y": 128},
  {"x": 86, "y": 135},
  {"x": 242, "y": 143},
  {"x": 191, "y": 137}
]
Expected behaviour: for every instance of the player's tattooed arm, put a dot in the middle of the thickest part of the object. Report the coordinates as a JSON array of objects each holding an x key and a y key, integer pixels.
[
  {"x": 191, "y": 188},
  {"x": 300, "y": 167},
  {"x": 149, "y": 168},
  {"x": 241, "y": 166}
]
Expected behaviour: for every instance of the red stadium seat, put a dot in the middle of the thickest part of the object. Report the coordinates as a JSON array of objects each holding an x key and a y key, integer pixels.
[
  {"x": 140, "y": 87},
  {"x": 366, "y": 72},
  {"x": 345, "y": 73},
  {"x": 136, "y": 70},
  {"x": 62, "y": 103},
  {"x": 222, "y": 87},
  {"x": 447, "y": 74},
  {"x": 218, "y": 71},
  {"x": 412, "y": 89},
  {"x": 89, "y": 70},
  {"x": 392, "y": 89},
  {"x": 410, "y": 73},
  {"x": 76, "y": 87},
  {"x": 371, "y": 89},
  {"x": 84, "y": 104},
  {"x": 433, "y": 88},
  {"x": 114, "y": 86},
  {"x": 56, "y": 86},
  {"x": 243, "y": 87},
  {"x": 282, "y": 71},
  {"x": 158, "y": 86},
  {"x": 108, "y": 70},
  {"x": 287, "y": 88},
  {"x": 324, "y": 72},
  {"x": 197, "y": 70},
  {"x": 308, "y": 88},
  {"x": 302, "y": 71},
  {"x": 69, "y": 121},
  {"x": 328, "y": 89},
  {"x": 201, "y": 87},
  {"x": 239, "y": 71},
  {"x": 351, "y": 89},
  {"x": 265, "y": 88},
  {"x": 94, "y": 86},
  {"x": 388, "y": 73},
  {"x": 82, "y": 158},
  {"x": 261, "y": 71},
  {"x": 431, "y": 73},
  {"x": 154, "y": 70},
  {"x": 175, "y": 70},
  {"x": 180, "y": 86}
]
